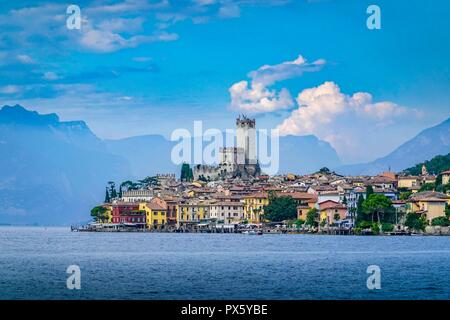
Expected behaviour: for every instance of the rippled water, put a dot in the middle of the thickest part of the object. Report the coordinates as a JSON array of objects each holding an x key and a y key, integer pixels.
[{"x": 33, "y": 264}]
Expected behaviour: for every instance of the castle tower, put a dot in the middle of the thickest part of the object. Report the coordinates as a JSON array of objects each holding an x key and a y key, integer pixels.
[{"x": 246, "y": 138}]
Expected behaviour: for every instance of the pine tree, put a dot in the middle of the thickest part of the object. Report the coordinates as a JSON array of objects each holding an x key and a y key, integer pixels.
[
  {"x": 107, "y": 197},
  {"x": 112, "y": 190},
  {"x": 186, "y": 173},
  {"x": 344, "y": 200},
  {"x": 359, "y": 208},
  {"x": 369, "y": 191}
]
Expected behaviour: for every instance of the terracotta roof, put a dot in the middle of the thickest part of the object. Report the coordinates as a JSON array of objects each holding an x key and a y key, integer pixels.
[
  {"x": 154, "y": 206},
  {"x": 261, "y": 195},
  {"x": 330, "y": 204},
  {"x": 426, "y": 195},
  {"x": 300, "y": 196}
]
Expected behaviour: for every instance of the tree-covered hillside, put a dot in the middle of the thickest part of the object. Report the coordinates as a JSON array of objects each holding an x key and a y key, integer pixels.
[{"x": 434, "y": 166}]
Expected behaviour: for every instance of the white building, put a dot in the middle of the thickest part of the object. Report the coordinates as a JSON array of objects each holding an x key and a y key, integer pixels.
[
  {"x": 137, "y": 195},
  {"x": 227, "y": 211}
]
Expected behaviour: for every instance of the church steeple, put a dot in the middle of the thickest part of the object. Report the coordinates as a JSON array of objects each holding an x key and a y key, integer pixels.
[{"x": 424, "y": 170}]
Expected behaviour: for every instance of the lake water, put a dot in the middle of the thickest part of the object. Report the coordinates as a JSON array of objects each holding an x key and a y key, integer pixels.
[{"x": 33, "y": 263}]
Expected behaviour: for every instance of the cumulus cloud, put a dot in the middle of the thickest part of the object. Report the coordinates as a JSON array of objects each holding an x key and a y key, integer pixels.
[
  {"x": 268, "y": 75},
  {"x": 50, "y": 75},
  {"x": 25, "y": 59},
  {"x": 256, "y": 97},
  {"x": 347, "y": 122}
]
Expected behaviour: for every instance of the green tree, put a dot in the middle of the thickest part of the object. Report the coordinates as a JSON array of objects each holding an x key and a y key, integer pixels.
[
  {"x": 369, "y": 191},
  {"x": 427, "y": 187},
  {"x": 415, "y": 221},
  {"x": 112, "y": 190},
  {"x": 380, "y": 207},
  {"x": 148, "y": 182},
  {"x": 107, "y": 196},
  {"x": 298, "y": 223},
  {"x": 359, "y": 209},
  {"x": 344, "y": 200},
  {"x": 434, "y": 166},
  {"x": 405, "y": 195},
  {"x": 440, "y": 221},
  {"x": 186, "y": 173},
  {"x": 281, "y": 208},
  {"x": 99, "y": 214},
  {"x": 311, "y": 217},
  {"x": 324, "y": 170},
  {"x": 387, "y": 227}
]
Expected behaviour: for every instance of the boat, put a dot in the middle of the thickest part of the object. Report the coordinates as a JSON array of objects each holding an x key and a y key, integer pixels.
[{"x": 252, "y": 232}]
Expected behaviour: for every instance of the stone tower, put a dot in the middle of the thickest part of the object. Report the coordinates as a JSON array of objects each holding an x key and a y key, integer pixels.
[{"x": 246, "y": 138}]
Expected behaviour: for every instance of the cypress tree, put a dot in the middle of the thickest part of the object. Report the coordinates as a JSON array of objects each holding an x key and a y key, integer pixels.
[
  {"x": 107, "y": 197},
  {"x": 369, "y": 191}
]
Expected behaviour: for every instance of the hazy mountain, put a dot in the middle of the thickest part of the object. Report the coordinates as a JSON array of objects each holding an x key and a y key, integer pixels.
[
  {"x": 306, "y": 154},
  {"x": 147, "y": 155},
  {"x": 427, "y": 144},
  {"x": 151, "y": 154},
  {"x": 52, "y": 172}
]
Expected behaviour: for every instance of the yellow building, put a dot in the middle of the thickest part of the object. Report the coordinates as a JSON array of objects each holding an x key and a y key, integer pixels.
[
  {"x": 155, "y": 215},
  {"x": 408, "y": 182},
  {"x": 254, "y": 206},
  {"x": 431, "y": 204},
  {"x": 192, "y": 212},
  {"x": 108, "y": 213},
  {"x": 445, "y": 177}
]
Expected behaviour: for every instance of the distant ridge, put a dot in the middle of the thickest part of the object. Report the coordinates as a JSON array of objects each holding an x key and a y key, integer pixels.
[
  {"x": 424, "y": 146},
  {"x": 54, "y": 172}
]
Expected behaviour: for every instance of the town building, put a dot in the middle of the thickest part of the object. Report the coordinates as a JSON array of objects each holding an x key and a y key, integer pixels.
[
  {"x": 331, "y": 211},
  {"x": 137, "y": 195},
  {"x": 445, "y": 177},
  {"x": 254, "y": 206},
  {"x": 431, "y": 204},
  {"x": 155, "y": 215},
  {"x": 227, "y": 211}
]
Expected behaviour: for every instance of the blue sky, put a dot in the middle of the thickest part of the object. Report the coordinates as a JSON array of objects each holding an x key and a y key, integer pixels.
[{"x": 305, "y": 67}]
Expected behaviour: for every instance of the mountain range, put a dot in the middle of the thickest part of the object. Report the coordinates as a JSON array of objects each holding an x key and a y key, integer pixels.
[
  {"x": 424, "y": 146},
  {"x": 53, "y": 172}
]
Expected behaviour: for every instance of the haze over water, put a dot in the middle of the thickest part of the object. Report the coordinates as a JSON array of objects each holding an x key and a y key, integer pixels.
[{"x": 33, "y": 263}]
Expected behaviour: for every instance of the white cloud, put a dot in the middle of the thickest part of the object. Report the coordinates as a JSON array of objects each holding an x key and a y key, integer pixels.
[
  {"x": 50, "y": 76},
  {"x": 268, "y": 74},
  {"x": 350, "y": 123},
  {"x": 131, "y": 25},
  {"x": 229, "y": 11},
  {"x": 142, "y": 59},
  {"x": 103, "y": 40},
  {"x": 25, "y": 59},
  {"x": 256, "y": 97},
  {"x": 128, "y": 6},
  {"x": 10, "y": 89}
]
